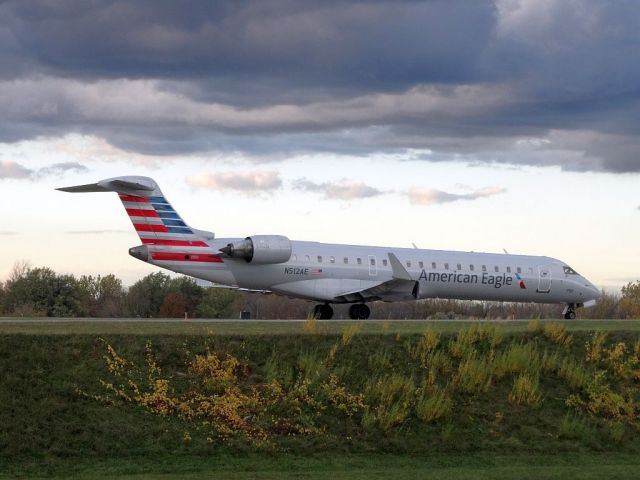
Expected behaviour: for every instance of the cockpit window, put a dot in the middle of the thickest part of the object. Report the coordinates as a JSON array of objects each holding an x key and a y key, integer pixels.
[{"x": 569, "y": 271}]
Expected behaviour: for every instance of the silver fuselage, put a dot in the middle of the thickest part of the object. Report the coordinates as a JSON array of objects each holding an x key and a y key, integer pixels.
[{"x": 325, "y": 272}]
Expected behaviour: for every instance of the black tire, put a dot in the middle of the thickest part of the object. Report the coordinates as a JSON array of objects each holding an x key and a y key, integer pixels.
[
  {"x": 363, "y": 312},
  {"x": 570, "y": 315},
  {"x": 322, "y": 312},
  {"x": 354, "y": 311}
]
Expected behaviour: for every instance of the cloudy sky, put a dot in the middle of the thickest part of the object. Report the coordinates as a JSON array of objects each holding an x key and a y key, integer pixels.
[{"x": 472, "y": 125}]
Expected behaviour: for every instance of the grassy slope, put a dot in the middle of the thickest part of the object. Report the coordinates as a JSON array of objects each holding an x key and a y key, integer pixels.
[{"x": 47, "y": 428}]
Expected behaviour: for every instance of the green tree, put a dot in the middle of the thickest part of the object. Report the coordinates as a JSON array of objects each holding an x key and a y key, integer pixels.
[
  {"x": 145, "y": 297},
  {"x": 40, "y": 291},
  {"x": 630, "y": 301},
  {"x": 3, "y": 295},
  {"x": 219, "y": 303},
  {"x": 173, "y": 306},
  {"x": 102, "y": 296},
  {"x": 190, "y": 292}
]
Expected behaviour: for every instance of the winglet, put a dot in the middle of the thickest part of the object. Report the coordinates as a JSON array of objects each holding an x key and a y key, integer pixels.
[{"x": 397, "y": 270}]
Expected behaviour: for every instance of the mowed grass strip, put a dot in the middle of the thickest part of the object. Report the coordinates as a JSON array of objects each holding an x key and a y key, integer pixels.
[
  {"x": 94, "y": 326},
  {"x": 362, "y": 467}
]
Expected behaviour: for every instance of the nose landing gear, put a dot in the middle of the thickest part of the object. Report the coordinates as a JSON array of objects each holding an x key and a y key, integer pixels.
[
  {"x": 569, "y": 312},
  {"x": 359, "y": 311}
]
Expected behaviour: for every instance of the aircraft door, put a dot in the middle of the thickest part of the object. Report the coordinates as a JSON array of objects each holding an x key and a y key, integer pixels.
[
  {"x": 544, "y": 280},
  {"x": 373, "y": 267}
]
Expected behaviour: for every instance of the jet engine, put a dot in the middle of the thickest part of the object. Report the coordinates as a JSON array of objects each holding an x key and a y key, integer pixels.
[{"x": 260, "y": 249}]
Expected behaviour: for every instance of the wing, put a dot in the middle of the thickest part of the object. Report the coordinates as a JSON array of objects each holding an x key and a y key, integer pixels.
[{"x": 401, "y": 286}]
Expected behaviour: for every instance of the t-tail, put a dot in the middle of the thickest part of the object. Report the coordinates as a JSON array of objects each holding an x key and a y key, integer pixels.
[{"x": 152, "y": 216}]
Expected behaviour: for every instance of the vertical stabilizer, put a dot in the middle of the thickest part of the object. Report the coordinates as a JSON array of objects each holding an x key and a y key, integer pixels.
[{"x": 152, "y": 216}]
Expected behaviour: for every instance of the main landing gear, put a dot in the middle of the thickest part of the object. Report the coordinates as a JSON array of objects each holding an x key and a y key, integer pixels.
[
  {"x": 359, "y": 311},
  {"x": 569, "y": 312},
  {"x": 323, "y": 312}
]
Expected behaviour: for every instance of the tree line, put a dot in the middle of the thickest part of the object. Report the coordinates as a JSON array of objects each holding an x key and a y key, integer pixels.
[{"x": 35, "y": 292}]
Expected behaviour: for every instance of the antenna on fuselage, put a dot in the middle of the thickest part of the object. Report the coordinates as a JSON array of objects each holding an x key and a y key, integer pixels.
[{"x": 505, "y": 251}]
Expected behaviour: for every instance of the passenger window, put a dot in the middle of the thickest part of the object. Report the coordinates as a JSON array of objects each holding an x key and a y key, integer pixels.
[
  {"x": 332, "y": 259},
  {"x": 384, "y": 262},
  {"x": 421, "y": 264},
  {"x": 446, "y": 266},
  {"x": 519, "y": 270},
  {"x": 408, "y": 264},
  {"x": 372, "y": 261},
  {"x": 471, "y": 267},
  {"x": 433, "y": 265},
  {"x": 496, "y": 269},
  {"x": 319, "y": 258},
  {"x": 359, "y": 261},
  {"x": 459, "y": 267},
  {"x": 484, "y": 268},
  {"x": 346, "y": 260},
  {"x": 508, "y": 269}
]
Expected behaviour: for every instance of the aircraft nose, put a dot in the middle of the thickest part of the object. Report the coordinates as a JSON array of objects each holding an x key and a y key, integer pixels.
[{"x": 593, "y": 292}]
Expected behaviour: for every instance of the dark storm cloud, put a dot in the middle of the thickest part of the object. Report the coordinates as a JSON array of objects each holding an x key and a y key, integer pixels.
[{"x": 508, "y": 81}]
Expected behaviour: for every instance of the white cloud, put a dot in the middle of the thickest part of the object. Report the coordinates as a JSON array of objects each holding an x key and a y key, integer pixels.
[
  {"x": 10, "y": 169},
  {"x": 340, "y": 190},
  {"x": 430, "y": 196},
  {"x": 256, "y": 181}
]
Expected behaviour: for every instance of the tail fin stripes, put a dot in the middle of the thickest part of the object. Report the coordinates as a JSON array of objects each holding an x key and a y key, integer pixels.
[
  {"x": 157, "y": 223},
  {"x": 153, "y": 217}
]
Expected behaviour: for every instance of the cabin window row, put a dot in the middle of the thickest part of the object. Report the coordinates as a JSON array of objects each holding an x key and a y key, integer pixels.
[{"x": 408, "y": 263}]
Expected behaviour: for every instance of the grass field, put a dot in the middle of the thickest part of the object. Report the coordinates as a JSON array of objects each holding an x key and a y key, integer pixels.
[
  {"x": 58, "y": 420},
  {"x": 64, "y": 326}
]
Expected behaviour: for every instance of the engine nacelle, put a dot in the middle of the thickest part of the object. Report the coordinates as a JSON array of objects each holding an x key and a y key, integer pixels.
[{"x": 260, "y": 249}]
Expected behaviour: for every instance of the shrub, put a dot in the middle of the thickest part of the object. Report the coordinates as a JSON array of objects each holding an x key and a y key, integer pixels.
[
  {"x": 573, "y": 427},
  {"x": 433, "y": 405},
  {"x": 602, "y": 401},
  {"x": 349, "y": 332},
  {"x": 474, "y": 375},
  {"x": 595, "y": 346},
  {"x": 573, "y": 372},
  {"x": 517, "y": 358},
  {"x": 534, "y": 326},
  {"x": 557, "y": 333},
  {"x": 525, "y": 390}
]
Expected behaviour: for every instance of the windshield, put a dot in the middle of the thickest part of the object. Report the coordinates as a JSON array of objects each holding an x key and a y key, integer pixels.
[{"x": 569, "y": 271}]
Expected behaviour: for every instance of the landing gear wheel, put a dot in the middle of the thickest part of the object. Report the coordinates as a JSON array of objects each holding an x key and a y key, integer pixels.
[
  {"x": 570, "y": 312},
  {"x": 359, "y": 311},
  {"x": 323, "y": 312}
]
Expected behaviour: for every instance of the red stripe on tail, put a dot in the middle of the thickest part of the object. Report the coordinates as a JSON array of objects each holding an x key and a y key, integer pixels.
[
  {"x": 143, "y": 227},
  {"x": 176, "y": 243},
  {"x": 133, "y": 198},
  {"x": 186, "y": 257},
  {"x": 136, "y": 212}
]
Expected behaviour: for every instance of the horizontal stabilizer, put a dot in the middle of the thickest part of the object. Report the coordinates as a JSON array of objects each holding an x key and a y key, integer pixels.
[
  {"x": 142, "y": 186},
  {"x": 124, "y": 184},
  {"x": 91, "y": 187}
]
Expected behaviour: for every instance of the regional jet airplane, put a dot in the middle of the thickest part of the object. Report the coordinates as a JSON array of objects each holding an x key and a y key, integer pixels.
[{"x": 334, "y": 273}]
